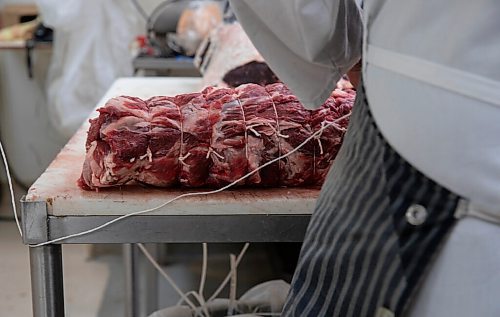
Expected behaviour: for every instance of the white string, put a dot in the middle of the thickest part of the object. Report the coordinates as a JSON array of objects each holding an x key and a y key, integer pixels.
[
  {"x": 204, "y": 310},
  {"x": 181, "y": 300},
  {"x": 11, "y": 189},
  {"x": 251, "y": 128},
  {"x": 232, "y": 286},
  {"x": 199, "y": 312},
  {"x": 318, "y": 137},
  {"x": 278, "y": 134},
  {"x": 203, "y": 269},
  {"x": 211, "y": 151},
  {"x": 215, "y": 191},
  {"x": 246, "y": 129},
  {"x": 165, "y": 275},
  {"x": 228, "y": 276},
  {"x": 199, "y": 296},
  {"x": 182, "y": 158},
  {"x": 181, "y": 146}
]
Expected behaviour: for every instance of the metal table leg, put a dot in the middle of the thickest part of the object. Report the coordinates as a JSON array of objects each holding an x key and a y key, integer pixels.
[
  {"x": 141, "y": 282},
  {"x": 47, "y": 281}
]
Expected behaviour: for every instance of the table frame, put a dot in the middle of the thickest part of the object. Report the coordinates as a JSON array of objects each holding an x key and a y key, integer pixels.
[{"x": 46, "y": 261}]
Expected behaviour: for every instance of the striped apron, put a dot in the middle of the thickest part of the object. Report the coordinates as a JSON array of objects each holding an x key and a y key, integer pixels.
[{"x": 377, "y": 226}]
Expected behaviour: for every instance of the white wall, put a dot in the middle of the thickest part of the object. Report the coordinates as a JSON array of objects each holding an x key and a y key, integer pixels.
[{"x": 30, "y": 141}]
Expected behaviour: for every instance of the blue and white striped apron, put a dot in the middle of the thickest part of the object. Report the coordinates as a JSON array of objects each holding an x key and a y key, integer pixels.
[{"x": 377, "y": 226}]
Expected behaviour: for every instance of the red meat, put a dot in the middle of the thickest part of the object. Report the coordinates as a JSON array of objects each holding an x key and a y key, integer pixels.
[{"x": 213, "y": 138}]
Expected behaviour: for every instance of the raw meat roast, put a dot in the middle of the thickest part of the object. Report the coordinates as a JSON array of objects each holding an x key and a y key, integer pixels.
[{"x": 213, "y": 138}]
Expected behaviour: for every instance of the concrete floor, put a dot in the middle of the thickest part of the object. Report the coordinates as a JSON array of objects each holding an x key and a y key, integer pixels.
[
  {"x": 85, "y": 281},
  {"x": 86, "y": 276}
]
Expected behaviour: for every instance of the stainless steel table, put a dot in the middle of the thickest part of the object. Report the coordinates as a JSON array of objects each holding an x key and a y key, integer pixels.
[{"x": 55, "y": 207}]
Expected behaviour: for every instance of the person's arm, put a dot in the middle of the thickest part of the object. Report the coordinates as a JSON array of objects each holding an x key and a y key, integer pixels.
[{"x": 309, "y": 44}]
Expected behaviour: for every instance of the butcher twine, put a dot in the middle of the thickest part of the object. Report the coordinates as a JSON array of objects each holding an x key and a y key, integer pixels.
[
  {"x": 245, "y": 124},
  {"x": 277, "y": 131},
  {"x": 181, "y": 147},
  {"x": 210, "y": 149}
]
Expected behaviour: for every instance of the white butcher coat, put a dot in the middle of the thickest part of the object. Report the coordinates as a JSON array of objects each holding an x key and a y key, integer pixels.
[{"x": 431, "y": 70}]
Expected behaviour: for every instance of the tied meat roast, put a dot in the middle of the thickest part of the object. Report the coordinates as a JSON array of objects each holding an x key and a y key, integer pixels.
[{"x": 213, "y": 138}]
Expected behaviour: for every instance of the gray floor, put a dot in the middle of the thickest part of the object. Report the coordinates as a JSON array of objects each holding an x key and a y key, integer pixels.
[{"x": 85, "y": 281}]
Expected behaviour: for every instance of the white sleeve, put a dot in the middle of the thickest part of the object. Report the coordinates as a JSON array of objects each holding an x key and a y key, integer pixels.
[{"x": 309, "y": 44}]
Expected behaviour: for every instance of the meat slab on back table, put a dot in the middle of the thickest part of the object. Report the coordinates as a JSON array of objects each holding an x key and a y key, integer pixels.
[{"x": 55, "y": 206}]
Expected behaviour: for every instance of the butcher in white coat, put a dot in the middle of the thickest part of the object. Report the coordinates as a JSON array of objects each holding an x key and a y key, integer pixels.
[{"x": 408, "y": 222}]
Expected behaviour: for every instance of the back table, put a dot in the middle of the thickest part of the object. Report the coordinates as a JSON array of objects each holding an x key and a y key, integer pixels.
[{"x": 55, "y": 206}]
